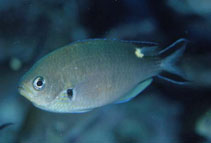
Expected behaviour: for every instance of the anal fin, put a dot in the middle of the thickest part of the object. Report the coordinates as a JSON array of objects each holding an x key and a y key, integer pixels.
[
  {"x": 134, "y": 92},
  {"x": 81, "y": 111}
]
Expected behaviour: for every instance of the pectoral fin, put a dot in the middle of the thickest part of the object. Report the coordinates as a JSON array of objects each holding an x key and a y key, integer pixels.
[{"x": 134, "y": 92}]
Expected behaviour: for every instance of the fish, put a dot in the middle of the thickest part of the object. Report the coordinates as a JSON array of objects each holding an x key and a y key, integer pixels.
[{"x": 89, "y": 74}]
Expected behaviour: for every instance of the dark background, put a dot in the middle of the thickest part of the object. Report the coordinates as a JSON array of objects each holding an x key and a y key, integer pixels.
[{"x": 164, "y": 113}]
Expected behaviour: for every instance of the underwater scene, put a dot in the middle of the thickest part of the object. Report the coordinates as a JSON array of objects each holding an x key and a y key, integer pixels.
[{"x": 105, "y": 71}]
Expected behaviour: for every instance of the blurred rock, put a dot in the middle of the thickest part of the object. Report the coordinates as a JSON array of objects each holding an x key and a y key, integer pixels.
[
  {"x": 199, "y": 7},
  {"x": 8, "y": 4},
  {"x": 15, "y": 64},
  {"x": 45, "y": 26},
  {"x": 13, "y": 107},
  {"x": 203, "y": 125},
  {"x": 200, "y": 32},
  {"x": 197, "y": 69},
  {"x": 145, "y": 30}
]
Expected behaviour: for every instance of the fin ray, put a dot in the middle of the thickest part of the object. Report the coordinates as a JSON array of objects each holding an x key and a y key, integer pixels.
[
  {"x": 82, "y": 111},
  {"x": 171, "y": 80}
]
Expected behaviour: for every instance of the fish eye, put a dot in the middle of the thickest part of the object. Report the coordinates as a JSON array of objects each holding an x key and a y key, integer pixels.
[
  {"x": 38, "y": 83},
  {"x": 70, "y": 93}
]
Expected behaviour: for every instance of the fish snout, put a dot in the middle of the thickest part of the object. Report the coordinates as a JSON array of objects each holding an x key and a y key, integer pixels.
[
  {"x": 20, "y": 87},
  {"x": 24, "y": 91}
]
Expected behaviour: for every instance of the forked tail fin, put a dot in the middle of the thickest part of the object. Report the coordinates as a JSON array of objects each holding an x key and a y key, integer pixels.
[{"x": 171, "y": 56}]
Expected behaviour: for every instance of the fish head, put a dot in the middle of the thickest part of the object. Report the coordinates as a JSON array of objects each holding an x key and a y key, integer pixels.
[
  {"x": 48, "y": 89},
  {"x": 40, "y": 85}
]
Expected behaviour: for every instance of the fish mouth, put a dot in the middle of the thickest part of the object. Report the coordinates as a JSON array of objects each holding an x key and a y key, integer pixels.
[
  {"x": 29, "y": 94},
  {"x": 26, "y": 92}
]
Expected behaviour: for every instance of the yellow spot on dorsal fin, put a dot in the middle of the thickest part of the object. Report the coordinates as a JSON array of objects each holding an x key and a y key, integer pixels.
[{"x": 138, "y": 53}]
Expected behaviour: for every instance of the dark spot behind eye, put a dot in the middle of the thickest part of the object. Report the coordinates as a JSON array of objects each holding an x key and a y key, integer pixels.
[{"x": 70, "y": 93}]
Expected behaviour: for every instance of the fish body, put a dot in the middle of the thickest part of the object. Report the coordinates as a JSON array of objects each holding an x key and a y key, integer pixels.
[{"x": 92, "y": 73}]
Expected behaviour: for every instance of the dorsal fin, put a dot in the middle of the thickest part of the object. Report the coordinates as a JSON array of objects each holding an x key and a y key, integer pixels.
[
  {"x": 136, "y": 43},
  {"x": 147, "y": 48},
  {"x": 141, "y": 43}
]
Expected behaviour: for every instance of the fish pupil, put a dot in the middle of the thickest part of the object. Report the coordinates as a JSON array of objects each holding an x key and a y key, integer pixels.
[
  {"x": 70, "y": 93},
  {"x": 39, "y": 83}
]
